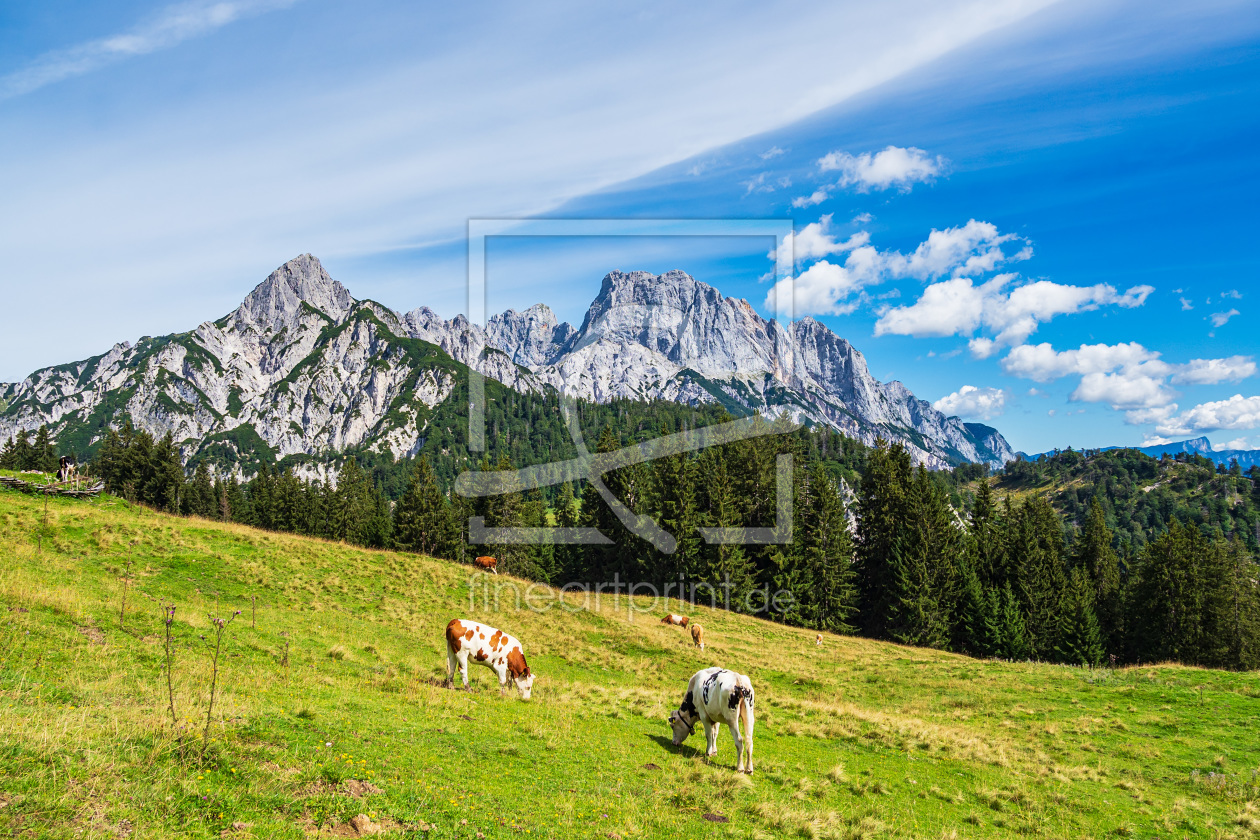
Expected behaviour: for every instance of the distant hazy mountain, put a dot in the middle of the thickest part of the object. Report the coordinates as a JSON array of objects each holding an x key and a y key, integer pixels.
[
  {"x": 1246, "y": 458},
  {"x": 301, "y": 366}
]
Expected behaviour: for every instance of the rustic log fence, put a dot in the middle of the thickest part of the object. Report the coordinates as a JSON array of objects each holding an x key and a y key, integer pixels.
[{"x": 75, "y": 488}]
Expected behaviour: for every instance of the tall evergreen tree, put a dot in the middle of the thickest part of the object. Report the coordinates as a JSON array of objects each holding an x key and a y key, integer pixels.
[
  {"x": 830, "y": 600},
  {"x": 1095, "y": 555},
  {"x": 925, "y": 556},
  {"x": 882, "y": 513},
  {"x": 422, "y": 518}
]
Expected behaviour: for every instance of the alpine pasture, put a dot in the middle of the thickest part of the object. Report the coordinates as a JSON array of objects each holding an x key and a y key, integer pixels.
[{"x": 331, "y": 717}]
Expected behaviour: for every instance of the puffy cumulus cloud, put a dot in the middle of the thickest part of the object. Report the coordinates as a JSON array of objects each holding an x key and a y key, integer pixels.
[
  {"x": 971, "y": 249},
  {"x": 820, "y": 289},
  {"x": 1133, "y": 388},
  {"x": 959, "y": 307},
  {"x": 947, "y": 308},
  {"x": 970, "y": 401},
  {"x": 1126, "y": 376},
  {"x": 1236, "y": 413},
  {"x": 1042, "y": 363},
  {"x": 976, "y": 248},
  {"x": 895, "y": 166},
  {"x": 1236, "y": 443},
  {"x": 1219, "y": 319},
  {"x": 1214, "y": 371},
  {"x": 814, "y": 241}
]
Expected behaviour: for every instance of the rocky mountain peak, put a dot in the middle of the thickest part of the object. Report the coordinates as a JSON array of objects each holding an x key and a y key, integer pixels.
[{"x": 277, "y": 299}]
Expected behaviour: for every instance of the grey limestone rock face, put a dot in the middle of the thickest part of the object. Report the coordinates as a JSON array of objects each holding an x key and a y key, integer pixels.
[{"x": 312, "y": 370}]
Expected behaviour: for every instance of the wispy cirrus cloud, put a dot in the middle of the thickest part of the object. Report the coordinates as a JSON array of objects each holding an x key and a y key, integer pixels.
[{"x": 171, "y": 26}]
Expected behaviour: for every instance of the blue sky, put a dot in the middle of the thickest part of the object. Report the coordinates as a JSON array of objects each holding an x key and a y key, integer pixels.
[{"x": 1039, "y": 215}]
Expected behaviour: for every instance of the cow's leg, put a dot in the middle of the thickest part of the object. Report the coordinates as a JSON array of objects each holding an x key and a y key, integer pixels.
[
  {"x": 746, "y": 712},
  {"x": 500, "y": 670},
  {"x": 462, "y": 659},
  {"x": 451, "y": 666},
  {"x": 710, "y": 736},
  {"x": 739, "y": 744}
]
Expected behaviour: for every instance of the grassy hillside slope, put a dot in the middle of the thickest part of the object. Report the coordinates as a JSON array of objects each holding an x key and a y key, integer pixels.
[{"x": 857, "y": 739}]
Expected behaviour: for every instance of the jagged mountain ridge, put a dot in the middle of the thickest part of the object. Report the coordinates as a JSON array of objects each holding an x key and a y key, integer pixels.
[{"x": 301, "y": 366}]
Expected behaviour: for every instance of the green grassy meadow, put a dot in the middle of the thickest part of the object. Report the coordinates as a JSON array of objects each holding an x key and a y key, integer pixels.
[{"x": 858, "y": 739}]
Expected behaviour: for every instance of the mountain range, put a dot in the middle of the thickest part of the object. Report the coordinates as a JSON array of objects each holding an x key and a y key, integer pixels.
[{"x": 302, "y": 367}]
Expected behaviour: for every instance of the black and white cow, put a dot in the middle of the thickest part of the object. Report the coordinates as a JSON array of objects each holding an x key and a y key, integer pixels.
[{"x": 716, "y": 696}]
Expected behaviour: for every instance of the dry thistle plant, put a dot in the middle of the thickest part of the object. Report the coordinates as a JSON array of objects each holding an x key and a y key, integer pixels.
[
  {"x": 169, "y": 621},
  {"x": 220, "y": 627}
]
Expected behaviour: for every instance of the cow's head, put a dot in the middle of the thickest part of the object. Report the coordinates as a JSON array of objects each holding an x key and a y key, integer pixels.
[
  {"x": 524, "y": 683},
  {"x": 683, "y": 728}
]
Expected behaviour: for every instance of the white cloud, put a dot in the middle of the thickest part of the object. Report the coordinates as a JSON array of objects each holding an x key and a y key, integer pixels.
[
  {"x": 970, "y": 401},
  {"x": 815, "y": 240},
  {"x": 171, "y": 26},
  {"x": 1236, "y": 413},
  {"x": 1232, "y": 293},
  {"x": 893, "y": 167},
  {"x": 819, "y": 289},
  {"x": 772, "y": 152},
  {"x": 1214, "y": 371},
  {"x": 947, "y": 308},
  {"x": 1220, "y": 318},
  {"x": 1186, "y": 305},
  {"x": 959, "y": 307},
  {"x": 974, "y": 247},
  {"x": 1236, "y": 443},
  {"x": 818, "y": 196},
  {"x": 1132, "y": 389},
  {"x": 862, "y": 218},
  {"x": 1042, "y": 363}
]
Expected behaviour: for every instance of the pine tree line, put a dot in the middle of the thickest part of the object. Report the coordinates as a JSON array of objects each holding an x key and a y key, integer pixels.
[
  {"x": 1007, "y": 584},
  {"x": 21, "y": 453},
  {"x": 1006, "y": 580}
]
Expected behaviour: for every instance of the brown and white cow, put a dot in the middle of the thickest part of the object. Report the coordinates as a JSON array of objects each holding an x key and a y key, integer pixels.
[
  {"x": 818, "y": 640},
  {"x": 716, "y": 696},
  {"x": 697, "y": 636},
  {"x": 488, "y": 563},
  {"x": 501, "y": 653},
  {"x": 679, "y": 620}
]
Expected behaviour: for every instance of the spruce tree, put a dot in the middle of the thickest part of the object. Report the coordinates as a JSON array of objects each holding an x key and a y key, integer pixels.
[
  {"x": 422, "y": 517},
  {"x": 882, "y": 513},
  {"x": 1095, "y": 555},
  {"x": 926, "y": 576},
  {"x": 1079, "y": 640},
  {"x": 44, "y": 456},
  {"x": 831, "y": 597}
]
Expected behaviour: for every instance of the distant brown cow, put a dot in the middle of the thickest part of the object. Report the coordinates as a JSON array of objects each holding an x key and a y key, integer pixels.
[
  {"x": 488, "y": 563},
  {"x": 679, "y": 620},
  {"x": 697, "y": 635},
  {"x": 818, "y": 640}
]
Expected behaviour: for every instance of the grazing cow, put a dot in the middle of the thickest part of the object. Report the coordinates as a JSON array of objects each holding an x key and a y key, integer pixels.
[
  {"x": 679, "y": 620},
  {"x": 818, "y": 640},
  {"x": 488, "y": 563},
  {"x": 65, "y": 469},
  {"x": 493, "y": 648},
  {"x": 716, "y": 696},
  {"x": 697, "y": 635}
]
